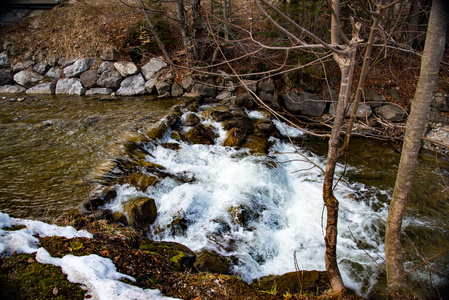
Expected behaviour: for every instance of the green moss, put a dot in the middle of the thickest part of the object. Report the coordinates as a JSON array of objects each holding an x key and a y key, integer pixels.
[
  {"x": 21, "y": 277},
  {"x": 154, "y": 247},
  {"x": 176, "y": 260}
]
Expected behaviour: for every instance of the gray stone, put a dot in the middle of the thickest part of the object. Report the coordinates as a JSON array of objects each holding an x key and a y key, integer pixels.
[
  {"x": 22, "y": 66},
  {"x": 78, "y": 67},
  {"x": 176, "y": 90},
  {"x": 435, "y": 116},
  {"x": 230, "y": 86},
  {"x": 89, "y": 79},
  {"x": 243, "y": 100},
  {"x": 188, "y": 83},
  {"x": 110, "y": 79},
  {"x": 133, "y": 85},
  {"x": 251, "y": 85},
  {"x": 372, "y": 99},
  {"x": 64, "y": 61},
  {"x": 110, "y": 54},
  {"x": 106, "y": 65},
  {"x": 41, "y": 68},
  {"x": 363, "y": 110},
  {"x": 43, "y": 88},
  {"x": 27, "y": 78},
  {"x": 330, "y": 95},
  {"x": 224, "y": 95},
  {"x": 441, "y": 102},
  {"x": 163, "y": 87},
  {"x": 126, "y": 68},
  {"x": 4, "y": 62},
  {"x": 392, "y": 113},
  {"x": 150, "y": 85},
  {"x": 5, "y": 77},
  {"x": 54, "y": 73},
  {"x": 11, "y": 89},
  {"x": 99, "y": 91},
  {"x": 304, "y": 104},
  {"x": 269, "y": 99},
  {"x": 154, "y": 65},
  {"x": 266, "y": 85},
  {"x": 204, "y": 90},
  {"x": 70, "y": 86}
]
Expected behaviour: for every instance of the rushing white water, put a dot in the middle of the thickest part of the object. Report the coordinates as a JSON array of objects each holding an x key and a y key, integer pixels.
[{"x": 262, "y": 210}]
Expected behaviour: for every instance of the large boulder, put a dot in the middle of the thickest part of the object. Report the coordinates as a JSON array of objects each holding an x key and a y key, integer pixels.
[
  {"x": 176, "y": 90},
  {"x": 188, "y": 83},
  {"x": 441, "y": 102},
  {"x": 180, "y": 256},
  {"x": 54, "y": 73},
  {"x": 208, "y": 261},
  {"x": 304, "y": 103},
  {"x": 163, "y": 87},
  {"x": 78, "y": 67},
  {"x": 141, "y": 212},
  {"x": 110, "y": 79},
  {"x": 126, "y": 68},
  {"x": 22, "y": 65},
  {"x": 154, "y": 65},
  {"x": 392, "y": 113},
  {"x": 11, "y": 89},
  {"x": 218, "y": 113},
  {"x": 243, "y": 123},
  {"x": 295, "y": 282},
  {"x": 133, "y": 85},
  {"x": 27, "y": 78},
  {"x": 150, "y": 85},
  {"x": 201, "y": 135},
  {"x": 89, "y": 79},
  {"x": 269, "y": 99},
  {"x": 5, "y": 77},
  {"x": 204, "y": 90},
  {"x": 43, "y": 88},
  {"x": 234, "y": 137},
  {"x": 257, "y": 145},
  {"x": 190, "y": 119},
  {"x": 106, "y": 65},
  {"x": 70, "y": 86}
]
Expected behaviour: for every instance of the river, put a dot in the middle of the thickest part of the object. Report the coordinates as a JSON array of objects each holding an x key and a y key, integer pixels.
[{"x": 258, "y": 209}]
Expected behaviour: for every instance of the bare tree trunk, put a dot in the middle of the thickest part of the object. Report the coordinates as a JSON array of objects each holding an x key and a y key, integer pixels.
[
  {"x": 154, "y": 32},
  {"x": 197, "y": 28},
  {"x": 430, "y": 64},
  {"x": 225, "y": 19},
  {"x": 413, "y": 21},
  {"x": 184, "y": 31}
]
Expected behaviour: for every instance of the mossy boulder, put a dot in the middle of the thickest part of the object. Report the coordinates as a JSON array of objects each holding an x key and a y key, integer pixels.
[
  {"x": 234, "y": 137},
  {"x": 208, "y": 261},
  {"x": 296, "y": 282},
  {"x": 141, "y": 212},
  {"x": 257, "y": 145},
  {"x": 201, "y": 135},
  {"x": 180, "y": 256}
]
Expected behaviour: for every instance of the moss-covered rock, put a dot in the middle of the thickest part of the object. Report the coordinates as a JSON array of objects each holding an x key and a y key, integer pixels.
[
  {"x": 180, "y": 256},
  {"x": 141, "y": 212},
  {"x": 208, "y": 261},
  {"x": 295, "y": 282}
]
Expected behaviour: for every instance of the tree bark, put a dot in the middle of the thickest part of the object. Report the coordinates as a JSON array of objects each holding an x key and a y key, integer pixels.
[
  {"x": 184, "y": 31},
  {"x": 197, "y": 28},
  {"x": 430, "y": 64}
]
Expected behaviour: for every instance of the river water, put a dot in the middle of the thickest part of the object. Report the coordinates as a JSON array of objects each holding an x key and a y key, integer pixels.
[{"x": 260, "y": 210}]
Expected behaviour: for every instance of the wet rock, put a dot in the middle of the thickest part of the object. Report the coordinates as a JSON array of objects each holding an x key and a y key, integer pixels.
[
  {"x": 154, "y": 65},
  {"x": 176, "y": 90},
  {"x": 41, "y": 68},
  {"x": 234, "y": 137},
  {"x": 27, "y": 78},
  {"x": 43, "y": 88},
  {"x": 181, "y": 257},
  {"x": 296, "y": 282},
  {"x": 257, "y": 145},
  {"x": 89, "y": 79},
  {"x": 78, "y": 67},
  {"x": 22, "y": 66},
  {"x": 441, "y": 102},
  {"x": 5, "y": 77},
  {"x": 392, "y": 113},
  {"x": 243, "y": 123},
  {"x": 204, "y": 90},
  {"x": 133, "y": 85},
  {"x": 201, "y": 135},
  {"x": 304, "y": 103},
  {"x": 163, "y": 86},
  {"x": 264, "y": 128},
  {"x": 209, "y": 261},
  {"x": 110, "y": 54},
  {"x": 141, "y": 212},
  {"x": 99, "y": 198},
  {"x": 54, "y": 73},
  {"x": 110, "y": 79},
  {"x": 126, "y": 68},
  {"x": 11, "y": 89},
  {"x": 140, "y": 180},
  {"x": 190, "y": 119},
  {"x": 70, "y": 86},
  {"x": 99, "y": 91},
  {"x": 218, "y": 113}
]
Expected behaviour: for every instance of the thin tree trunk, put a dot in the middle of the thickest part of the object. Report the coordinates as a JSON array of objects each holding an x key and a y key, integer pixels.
[
  {"x": 197, "y": 28},
  {"x": 184, "y": 31},
  {"x": 430, "y": 64},
  {"x": 154, "y": 32}
]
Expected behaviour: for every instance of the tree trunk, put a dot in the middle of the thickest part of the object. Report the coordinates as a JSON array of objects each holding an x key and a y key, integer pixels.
[
  {"x": 197, "y": 28},
  {"x": 184, "y": 31},
  {"x": 430, "y": 64}
]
